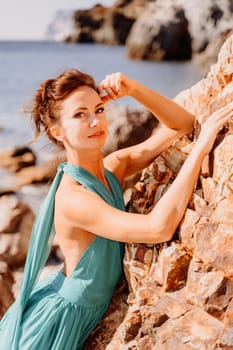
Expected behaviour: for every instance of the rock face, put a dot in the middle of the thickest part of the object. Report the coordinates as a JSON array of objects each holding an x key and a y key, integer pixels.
[
  {"x": 155, "y": 29},
  {"x": 181, "y": 292}
]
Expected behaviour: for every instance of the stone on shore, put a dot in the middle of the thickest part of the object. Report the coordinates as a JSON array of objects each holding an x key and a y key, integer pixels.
[
  {"x": 16, "y": 220},
  {"x": 17, "y": 158}
]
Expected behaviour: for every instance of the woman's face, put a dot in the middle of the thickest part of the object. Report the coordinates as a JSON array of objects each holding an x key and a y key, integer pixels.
[{"x": 83, "y": 121}]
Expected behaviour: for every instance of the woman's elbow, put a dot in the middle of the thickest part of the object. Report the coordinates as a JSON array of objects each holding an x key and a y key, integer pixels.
[
  {"x": 190, "y": 124},
  {"x": 161, "y": 234}
]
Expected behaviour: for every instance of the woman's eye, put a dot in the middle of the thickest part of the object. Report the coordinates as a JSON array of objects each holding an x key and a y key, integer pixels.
[
  {"x": 100, "y": 110},
  {"x": 79, "y": 115}
]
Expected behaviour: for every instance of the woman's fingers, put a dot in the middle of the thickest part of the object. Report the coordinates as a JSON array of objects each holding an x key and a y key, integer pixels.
[
  {"x": 111, "y": 87},
  {"x": 105, "y": 98},
  {"x": 220, "y": 117},
  {"x": 223, "y": 112},
  {"x": 213, "y": 125},
  {"x": 220, "y": 123}
]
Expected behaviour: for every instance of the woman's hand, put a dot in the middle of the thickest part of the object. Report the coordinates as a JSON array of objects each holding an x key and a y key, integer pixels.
[
  {"x": 212, "y": 126},
  {"x": 115, "y": 86}
]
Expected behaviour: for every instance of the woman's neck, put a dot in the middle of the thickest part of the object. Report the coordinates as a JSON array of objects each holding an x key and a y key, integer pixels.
[{"x": 92, "y": 161}]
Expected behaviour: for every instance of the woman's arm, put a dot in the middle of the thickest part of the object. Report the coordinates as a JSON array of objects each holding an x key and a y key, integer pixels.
[
  {"x": 175, "y": 120},
  {"x": 89, "y": 212},
  {"x": 168, "y": 112},
  {"x": 130, "y": 160}
]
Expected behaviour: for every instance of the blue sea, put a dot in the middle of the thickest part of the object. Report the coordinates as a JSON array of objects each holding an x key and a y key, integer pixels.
[{"x": 25, "y": 64}]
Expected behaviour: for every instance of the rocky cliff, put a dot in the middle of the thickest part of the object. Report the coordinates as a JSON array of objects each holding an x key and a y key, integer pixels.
[
  {"x": 181, "y": 292},
  {"x": 156, "y": 29}
]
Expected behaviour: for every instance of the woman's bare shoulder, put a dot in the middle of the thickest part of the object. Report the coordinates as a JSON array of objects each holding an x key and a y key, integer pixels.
[{"x": 69, "y": 191}]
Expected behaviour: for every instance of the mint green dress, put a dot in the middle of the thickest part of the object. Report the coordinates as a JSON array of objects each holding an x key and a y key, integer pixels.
[{"x": 59, "y": 312}]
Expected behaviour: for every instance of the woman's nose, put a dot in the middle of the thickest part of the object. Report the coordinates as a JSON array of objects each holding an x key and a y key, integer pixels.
[{"x": 93, "y": 121}]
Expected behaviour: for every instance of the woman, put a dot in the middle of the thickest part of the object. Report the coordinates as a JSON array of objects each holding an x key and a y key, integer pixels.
[{"x": 86, "y": 208}]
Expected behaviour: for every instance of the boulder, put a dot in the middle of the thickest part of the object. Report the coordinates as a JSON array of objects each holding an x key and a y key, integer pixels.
[
  {"x": 92, "y": 25},
  {"x": 17, "y": 158},
  {"x": 6, "y": 284},
  {"x": 105, "y": 25},
  {"x": 40, "y": 173},
  {"x": 209, "y": 55},
  {"x": 16, "y": 220},
  {"x": 177, "y": 29},
  {"x": 127, "y": 126},
  {"x": 156, "y": 36}
]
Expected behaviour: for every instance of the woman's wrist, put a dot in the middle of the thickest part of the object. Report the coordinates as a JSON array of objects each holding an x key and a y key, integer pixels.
[
  {"x": 133, "y": 87},
  {"x": 199, "y": 149}
]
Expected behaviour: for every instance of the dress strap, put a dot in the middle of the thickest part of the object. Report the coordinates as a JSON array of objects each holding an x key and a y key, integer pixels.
[{"x": 85, "y": 178}]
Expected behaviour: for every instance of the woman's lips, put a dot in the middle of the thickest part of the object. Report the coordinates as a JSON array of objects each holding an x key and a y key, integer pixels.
[{"x": 97, "y": 134}]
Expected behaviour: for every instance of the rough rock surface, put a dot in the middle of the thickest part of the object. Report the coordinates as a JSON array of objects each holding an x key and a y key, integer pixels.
[{"x": 181, "y": 292}]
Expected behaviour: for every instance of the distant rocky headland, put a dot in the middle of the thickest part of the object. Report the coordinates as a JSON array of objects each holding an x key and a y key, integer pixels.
[{"x": 152, "y": 29}]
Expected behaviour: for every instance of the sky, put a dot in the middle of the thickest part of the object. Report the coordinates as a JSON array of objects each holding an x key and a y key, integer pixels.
[{"x": 29, "y": 19}]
